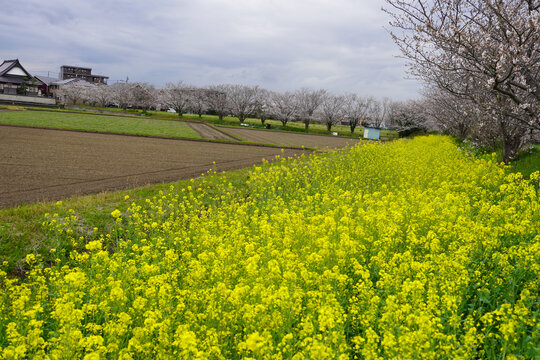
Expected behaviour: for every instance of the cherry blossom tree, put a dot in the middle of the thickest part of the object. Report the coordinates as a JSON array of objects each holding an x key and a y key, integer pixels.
[
  {"x": 495, "y": 129},
  {"x": 122, "y": 94},
  {"x": 284, "y": 107},
  {"x": 74, "y": 92},
  {"x": 309, "y": 102},
  {"x": 355, "y": 109},
  {"x": 449, "y": 114},
  {"x": 378, "y": 112},
  {"x": 102, "y": 95},
  {"x": 143, "y": 95},
  {"x": 216, "y": 98},
  {"x": 486, "y": 52},
  {"x": 177, "y": 96},
  {"x": 264, "y": 103},
  {"x": 242, "y": 100},
  {"x": 198, "y": 101},
  {"x": 332, "y": 109}
]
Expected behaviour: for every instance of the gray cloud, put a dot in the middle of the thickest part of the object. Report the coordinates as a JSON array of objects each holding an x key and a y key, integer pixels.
[{"x": 281, "y": 45}]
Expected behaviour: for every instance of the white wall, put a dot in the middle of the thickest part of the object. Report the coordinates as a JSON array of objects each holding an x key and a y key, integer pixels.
[{"x": 28, "y": 99}]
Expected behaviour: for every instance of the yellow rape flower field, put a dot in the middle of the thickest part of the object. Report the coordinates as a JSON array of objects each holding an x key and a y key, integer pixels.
[{"x": 404, "y": 250}]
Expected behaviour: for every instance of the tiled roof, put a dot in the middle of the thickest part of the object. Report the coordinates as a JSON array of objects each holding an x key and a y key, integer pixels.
[
  {"x": 10, "y": 79},
  {"x": 6, "y": 65},
  {"x": 46, "y": 79},
  {"x": 69, "y": 81},
  {"x": 19, "y": 80},
  {"x": 64, "y": 82}
]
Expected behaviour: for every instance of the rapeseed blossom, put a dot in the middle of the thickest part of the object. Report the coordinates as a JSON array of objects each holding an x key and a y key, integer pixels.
[{"x": 408, "y": 250}]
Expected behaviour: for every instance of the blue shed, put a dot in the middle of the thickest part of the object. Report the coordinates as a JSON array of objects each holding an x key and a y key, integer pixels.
[{"x": 372, "y": 133}]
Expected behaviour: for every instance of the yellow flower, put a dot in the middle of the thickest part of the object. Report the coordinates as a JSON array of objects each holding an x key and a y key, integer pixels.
[
  {"x": 375, "y": 252},
  {"x": 30, "y": 259}
]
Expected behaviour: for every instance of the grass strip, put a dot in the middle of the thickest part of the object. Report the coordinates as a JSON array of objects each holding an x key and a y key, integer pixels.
[
  {"x": 293, "y": 126},
  {"x": 528, "y": 162},
  {"x": 100, "y": 123}
]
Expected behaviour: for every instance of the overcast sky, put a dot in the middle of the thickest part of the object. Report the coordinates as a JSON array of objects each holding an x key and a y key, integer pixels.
[{"x": 339, "y": 45}]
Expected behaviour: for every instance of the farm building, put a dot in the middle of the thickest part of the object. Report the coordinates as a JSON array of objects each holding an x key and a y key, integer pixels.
[{"x": 14, "y": 79}]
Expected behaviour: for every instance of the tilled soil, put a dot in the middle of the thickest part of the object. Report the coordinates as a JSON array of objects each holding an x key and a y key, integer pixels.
[
  {"x": 42, "y": 164},
  {"x": 291, "y": 139},
  {"x": 209, "y": 132}
]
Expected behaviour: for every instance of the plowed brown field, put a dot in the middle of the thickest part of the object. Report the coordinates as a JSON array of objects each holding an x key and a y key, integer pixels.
[
  {"x": 291, "y": 139},
  {"x": 39, "y": 164}
]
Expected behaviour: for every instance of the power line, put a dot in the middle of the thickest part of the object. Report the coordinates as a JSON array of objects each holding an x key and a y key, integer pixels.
[{"x": 49, "y": 73}]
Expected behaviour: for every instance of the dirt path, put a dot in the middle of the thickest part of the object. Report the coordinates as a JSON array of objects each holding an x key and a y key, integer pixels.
[
  {"x": 41, "y": 164},
  {"x": 291, "y": 139},
  {"x": 81, "y": 110},
  {"x": 209, "y": 132}
]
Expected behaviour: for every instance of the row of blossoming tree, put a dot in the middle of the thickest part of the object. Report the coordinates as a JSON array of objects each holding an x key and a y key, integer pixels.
[
  {"x": 241, "y": 101},
  {"x": 480, "y": 61}
]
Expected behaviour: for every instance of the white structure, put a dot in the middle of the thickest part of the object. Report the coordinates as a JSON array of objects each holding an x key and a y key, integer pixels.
[{"x": 372, "y": 133}]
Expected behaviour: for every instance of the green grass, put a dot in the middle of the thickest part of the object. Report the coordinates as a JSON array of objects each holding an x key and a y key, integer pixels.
[
  {"x": 528, "y": 162},
  {"x": 81, "y": 110},
  {"x": 100, "y": 123},
  {"x": 86, "y": 108},
  {"x": 292, "y": 126},
  {"x": 314, "y": 128}
]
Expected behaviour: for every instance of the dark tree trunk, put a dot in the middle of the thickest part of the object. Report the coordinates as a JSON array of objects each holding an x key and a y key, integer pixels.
[
  {"x": 511, "y": 144},
  {"x": 353, "y": 125},
  {"x": 462, "y": 131}
]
